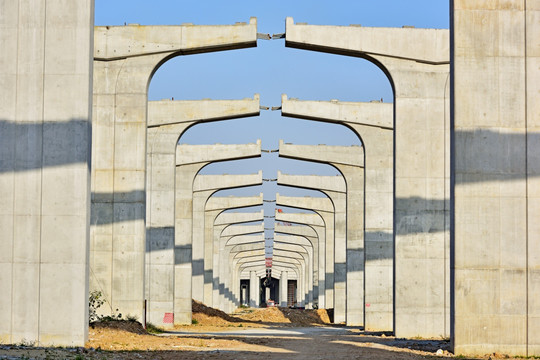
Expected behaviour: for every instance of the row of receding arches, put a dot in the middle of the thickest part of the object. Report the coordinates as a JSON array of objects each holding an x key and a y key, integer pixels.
[{"x": 147, "y": 191}]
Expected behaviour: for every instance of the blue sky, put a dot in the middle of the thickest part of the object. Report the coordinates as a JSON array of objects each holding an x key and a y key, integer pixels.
[{"x": 271, "y": 69}]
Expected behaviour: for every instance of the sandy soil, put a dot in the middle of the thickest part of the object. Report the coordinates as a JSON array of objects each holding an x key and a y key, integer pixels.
[{"x": 250, "y": 334}]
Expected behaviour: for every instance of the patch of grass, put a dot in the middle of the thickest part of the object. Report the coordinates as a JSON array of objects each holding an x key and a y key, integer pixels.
[
  {"x": 153, "y": 329},
  {"x": 194, "y": 322},
  {"x": 131, "y": 318},
  {"x": 240, "y": 325}
]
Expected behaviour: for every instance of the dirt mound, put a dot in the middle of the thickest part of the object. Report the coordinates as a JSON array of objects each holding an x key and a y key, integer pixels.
[
  {"x": 205, "y": 315},
  {"x": 294, "y": 317},
  {"x": 124, "y": 325}
]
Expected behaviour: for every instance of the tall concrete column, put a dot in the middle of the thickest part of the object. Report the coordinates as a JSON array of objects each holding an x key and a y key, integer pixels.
[
  {"x": 283, "y": 286},
  {"x": 167, "y": 121},
  {"x": 297, "y": 245},
  {"x": 221, "y": 291},
  {"x": 217, "y": 205},
  {"x": 253, "y": 289},
  {"x": 45, "y": 136},
  {"x": 325, "y": 208},
  {"x": 314, "y": 221},
  {"x": 335, "y": 189},
  {"x": 373, "y": 123},
  {"x": 349, "y": 161},
  {"x": 496, "y": 190},
  {"x": 221, "y": 272},
  {"x": 205, "y": 186},
  {"x": 189, "y": 160},
  {"x": 307, "y": 233},
  {"x": 125, "y": 58},
  {"x": 419, "y": 75}
]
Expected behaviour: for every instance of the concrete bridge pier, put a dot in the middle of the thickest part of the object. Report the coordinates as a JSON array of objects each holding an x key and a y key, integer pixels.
[
  {"x": 373, "y": 123},
  {"x": 349, "y": 161},
  {"x": 189, "y": 160}
]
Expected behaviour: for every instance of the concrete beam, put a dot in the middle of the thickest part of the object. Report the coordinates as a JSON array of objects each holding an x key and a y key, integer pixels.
[
  {"x": 373, "y": 123},
  {"x": 349, "y": 161},
  {"x": 134, "y": 40},
  {"x": 125, "y": 58},
  {"x": 190, "y": 159},
  {"x": 419, "y": 76},
  {"x": 205, "y": 186},
  {"x": 334, "y": 188}
]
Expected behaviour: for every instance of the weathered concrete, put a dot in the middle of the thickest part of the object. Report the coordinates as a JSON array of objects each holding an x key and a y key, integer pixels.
[
  {"x": 215, "y": 206},
  {"x": 308, "y": 233},
  {"x": 419, "y": 74},
  {"x": 313, "y": 220},
  {"x": 125, "y": 58},
  {"x": 325, "y": 208},
  {"x": 167, "y": 121},
  {"x": 303, "y": 247},
  {"x": 349, "y": 161},
  {"x": 205, "y": 186},
  {"x": 45, "y": 135},
  {"x": 334, "y": 188},
  {"x": 496, "y": 164},
  {"x": 189, "y": 160},
  {"x": 221, "y": 275},
  {"x": 373, "y": 123},
  {"x": 222, "y": 221},
  {"x": 283, "y": 288}
]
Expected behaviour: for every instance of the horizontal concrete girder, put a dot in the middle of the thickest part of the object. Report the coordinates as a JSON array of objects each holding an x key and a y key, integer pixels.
[
  {"x": 375, "y": 114},
  {"x": 120, "y": 42},
  {"x": 171, "y": 112},
  {"x": 430, "y": 45},
  {"x": 192, "y": 154}
]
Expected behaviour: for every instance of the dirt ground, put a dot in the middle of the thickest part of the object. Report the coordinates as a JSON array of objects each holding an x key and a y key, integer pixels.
[{"x": 271, "y": 333}]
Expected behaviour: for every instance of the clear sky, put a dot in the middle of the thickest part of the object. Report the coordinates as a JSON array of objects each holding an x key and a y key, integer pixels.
[{"x": 271, "y": 69}]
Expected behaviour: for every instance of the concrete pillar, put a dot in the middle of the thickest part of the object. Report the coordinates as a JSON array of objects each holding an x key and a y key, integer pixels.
[
  {"x": 221, "y": 290},
  {"x": 45, "y": 135},
  {"x": 349, "y": 161},
  {"x": 325, "y": 208},
  {"x": 496, "y": 190},
  {"x": 125, "y": 58},
  {"x": 296, "y": 245},
  {"x": 373, "y": 123},
  {"x": 253, "y": 289},
  {"x": 335, "y": 189},
  {"x": 221, "y": 274},
  {"x": 189, "y": 160},
  {"x": 314, "y": 221},
  {"x": 420, "y": 78},
  {"x": 167, "y": 121},
  {"x": 307, "y": 233},
  {"x": 283, "y": 285},
  {"x": 205, "y": 186},
  {"x": 217, "y": 205}
]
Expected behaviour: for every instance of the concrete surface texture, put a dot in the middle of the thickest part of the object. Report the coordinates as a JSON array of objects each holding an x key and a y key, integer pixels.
[
  {"x": 334, "y": 188},
  {"x": 189, "y": 160},
  {"x": 205, "y": 186},
  {"x": 373, "y": 124},
  {"x": 125, "y": 57},
  {"x": 45, "y": 135},
  {"x": 349, "y": 160},
  {"x": 167, "y": 121},
  {"x": 324, "y": 207},
  {"x": 215, "y": 207},
  {"x": 419, "y": 73},
  {"x": 496, "y": 142},
  {"x": 221, "y": 291}
]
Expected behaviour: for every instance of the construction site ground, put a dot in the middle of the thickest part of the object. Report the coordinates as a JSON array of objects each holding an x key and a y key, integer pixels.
[{"x": 270, "y": 333}]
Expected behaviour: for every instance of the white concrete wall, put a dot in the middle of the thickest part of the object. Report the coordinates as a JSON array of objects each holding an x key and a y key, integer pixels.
[
  {"x": 496, "y": 143},
  {"x": 45, "y": 96}
]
